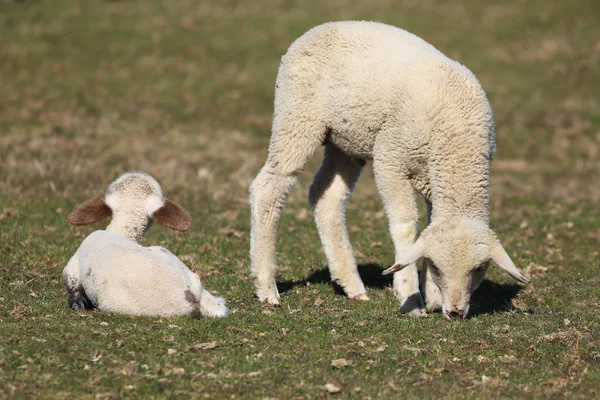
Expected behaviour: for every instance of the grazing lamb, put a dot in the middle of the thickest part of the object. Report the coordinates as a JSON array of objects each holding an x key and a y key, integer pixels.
[
  {"x": 369, "y": 91},
  {"x": 113, "y": 272}
]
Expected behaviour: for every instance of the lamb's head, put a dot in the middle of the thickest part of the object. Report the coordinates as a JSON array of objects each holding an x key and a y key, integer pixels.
[
  {"x": 134, "y": 200},
  {"x": 458, "y": 252}
]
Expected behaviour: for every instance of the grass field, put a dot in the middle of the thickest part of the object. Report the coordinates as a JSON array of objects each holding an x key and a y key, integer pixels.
[{"x": 184, "y": 91}]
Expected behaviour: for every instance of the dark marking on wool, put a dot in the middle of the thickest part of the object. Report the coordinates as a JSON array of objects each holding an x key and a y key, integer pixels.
[
  {"x": 194, "y": 302},
  {"x": 190, "y": 297}
]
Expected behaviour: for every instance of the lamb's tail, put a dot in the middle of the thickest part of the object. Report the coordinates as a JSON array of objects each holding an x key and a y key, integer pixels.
[{"x": 212, "y": 306}]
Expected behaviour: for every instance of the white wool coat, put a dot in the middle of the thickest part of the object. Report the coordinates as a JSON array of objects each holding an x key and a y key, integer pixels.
[
  {"x": 377, "y": 91},
  {"x": 370, "y": 91},
  {"x": 122, "y": 276}
]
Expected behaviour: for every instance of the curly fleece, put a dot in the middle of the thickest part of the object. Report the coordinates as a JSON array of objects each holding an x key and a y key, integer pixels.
[{"x": 370, "y": 91}]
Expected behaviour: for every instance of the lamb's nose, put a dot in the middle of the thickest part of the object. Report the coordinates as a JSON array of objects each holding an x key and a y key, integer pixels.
[{"x": 455, "y": 314}]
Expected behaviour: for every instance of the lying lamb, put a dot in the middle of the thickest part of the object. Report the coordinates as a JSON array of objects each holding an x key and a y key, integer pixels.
[
  {"x": 369, "y": 91},
  {"x": 113, "y": 272}
]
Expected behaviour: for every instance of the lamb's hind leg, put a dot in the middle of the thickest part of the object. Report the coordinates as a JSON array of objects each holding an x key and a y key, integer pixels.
[
  {"x": 268, "y": 195},
  {"x": 328, "y": 196},
  {"x": 77, "y": 299},
  {"x": 291, "y": 147},
  {"x": 400, "y": 204}
]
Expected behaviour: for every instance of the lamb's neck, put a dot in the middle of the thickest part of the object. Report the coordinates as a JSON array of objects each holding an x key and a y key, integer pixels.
[
  {"x": 460, "y": 188},
  {"x": 132, "y": 225}
]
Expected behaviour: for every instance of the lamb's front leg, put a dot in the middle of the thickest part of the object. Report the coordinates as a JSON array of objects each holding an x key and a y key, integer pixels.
[
  {"x": 433, "y": 296},
  {"x": 400, "y": 205},
  {"x": 70, "y": 276}
]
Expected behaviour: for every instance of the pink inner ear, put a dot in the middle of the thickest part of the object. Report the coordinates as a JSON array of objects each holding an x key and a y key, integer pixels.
[
  {"x": 93, "y": 210},
  {"x": 394, "y": 268},
  {"x": 173, "y": 216}
]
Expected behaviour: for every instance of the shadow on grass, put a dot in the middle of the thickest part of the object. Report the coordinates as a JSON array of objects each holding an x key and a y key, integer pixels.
[
  {"x": 489, "y": 298},
  {"x": 369, "y": 273},
  {"x": 492, "y": 297}
]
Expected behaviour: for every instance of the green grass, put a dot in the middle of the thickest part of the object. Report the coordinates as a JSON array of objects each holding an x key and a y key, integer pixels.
[{"x": 184, "y": 91}]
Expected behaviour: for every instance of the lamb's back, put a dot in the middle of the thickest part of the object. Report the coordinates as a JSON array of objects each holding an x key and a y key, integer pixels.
[
  {"x": 360, "y": 78},
  {"x": 369, "y": 58},
  {"x": 120, "y": 275}
]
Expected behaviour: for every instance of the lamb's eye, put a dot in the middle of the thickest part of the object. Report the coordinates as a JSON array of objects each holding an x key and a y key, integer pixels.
[{"x": 481, "y": 268}]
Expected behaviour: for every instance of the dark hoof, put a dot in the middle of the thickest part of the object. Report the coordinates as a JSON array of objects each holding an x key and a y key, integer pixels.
[{"x": 79, "y": 303}]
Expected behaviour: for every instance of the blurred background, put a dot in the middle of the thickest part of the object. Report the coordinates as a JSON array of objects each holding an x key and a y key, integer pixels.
[{"x": 184, "y": 90}]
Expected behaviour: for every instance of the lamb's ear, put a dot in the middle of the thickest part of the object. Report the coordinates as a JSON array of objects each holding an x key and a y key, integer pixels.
[
  {"x": 411, "y": 256},
  {"x": 502, "y": 259},
  {"x": 90, "y": 212},
  {"x": 173, "y": 216}
]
